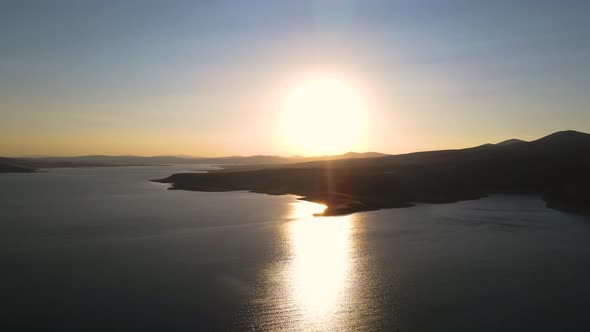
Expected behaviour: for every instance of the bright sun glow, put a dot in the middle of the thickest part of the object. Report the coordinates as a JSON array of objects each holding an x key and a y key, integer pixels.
[{"x": 323, "y": 116}]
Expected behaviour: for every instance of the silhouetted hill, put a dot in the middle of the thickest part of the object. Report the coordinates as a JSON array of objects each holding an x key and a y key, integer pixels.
[
  {"x": 510, "y": 142},
  {"x": 349, "y": 155},
  {"x": 556, "y": 166}
]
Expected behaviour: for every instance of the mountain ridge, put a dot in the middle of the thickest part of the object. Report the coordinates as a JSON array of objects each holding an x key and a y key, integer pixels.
[{"x": 33, "y": 163}]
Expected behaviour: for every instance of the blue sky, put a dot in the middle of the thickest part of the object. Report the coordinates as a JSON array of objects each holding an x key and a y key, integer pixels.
[{"x": 203, "y": 77}]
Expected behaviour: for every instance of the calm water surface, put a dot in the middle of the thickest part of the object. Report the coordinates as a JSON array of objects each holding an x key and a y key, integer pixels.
[{"x": 98, "y": 249}]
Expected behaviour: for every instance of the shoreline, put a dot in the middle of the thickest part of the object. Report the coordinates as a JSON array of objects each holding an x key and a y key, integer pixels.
[{"x": 337, "y": 203}]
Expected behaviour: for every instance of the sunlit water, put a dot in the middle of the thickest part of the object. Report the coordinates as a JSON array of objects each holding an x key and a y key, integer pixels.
[
  {"x": 104, "y": 249},
  {"x": 310, "y": 287}
]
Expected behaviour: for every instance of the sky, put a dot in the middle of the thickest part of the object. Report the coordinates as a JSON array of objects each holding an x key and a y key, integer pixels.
[{"x": 207, "y": 78}]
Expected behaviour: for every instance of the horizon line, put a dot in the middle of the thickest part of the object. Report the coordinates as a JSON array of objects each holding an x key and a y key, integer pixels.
[{"x": 181, "y": 156}]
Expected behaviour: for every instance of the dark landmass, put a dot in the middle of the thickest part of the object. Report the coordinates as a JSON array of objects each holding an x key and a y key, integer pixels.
[
  {"x": 9, "y": 165},
  {"x": 556, "y": 166}
]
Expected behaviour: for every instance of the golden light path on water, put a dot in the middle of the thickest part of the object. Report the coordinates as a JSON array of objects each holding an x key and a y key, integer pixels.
[
  {"x": 312, "y": 283},
  {"x": 319, "y": 269}
]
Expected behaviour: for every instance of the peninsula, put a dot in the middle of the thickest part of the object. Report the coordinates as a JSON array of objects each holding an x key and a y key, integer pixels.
[{"x": 556, "y": 166}]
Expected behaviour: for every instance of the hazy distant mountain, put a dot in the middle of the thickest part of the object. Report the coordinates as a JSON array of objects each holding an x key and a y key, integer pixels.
[
  {"x": 353, "y": 155},
  {"x": 101, "y": 160},
  {"x": 31, "y": 163},
  {"x": 556, "y": 166},
  {"x": 511, "y": 142}
]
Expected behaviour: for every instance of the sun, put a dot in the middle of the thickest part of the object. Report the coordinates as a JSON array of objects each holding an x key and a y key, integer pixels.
[{"x": 323, "y": 116}]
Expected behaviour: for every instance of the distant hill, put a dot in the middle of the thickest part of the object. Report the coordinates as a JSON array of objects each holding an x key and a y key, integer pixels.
[
  {"x": 510, "y": 142},
  {"x": 349, "y": 155},
  {"x": 556, "y": 166},
  {"x": 102, "y": 160}
]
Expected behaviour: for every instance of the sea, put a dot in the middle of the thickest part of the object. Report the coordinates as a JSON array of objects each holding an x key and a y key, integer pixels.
[{"x": 106, "y": 249}]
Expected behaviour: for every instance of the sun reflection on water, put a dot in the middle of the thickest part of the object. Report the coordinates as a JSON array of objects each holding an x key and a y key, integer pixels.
[{"x": 320, "y": 263}]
